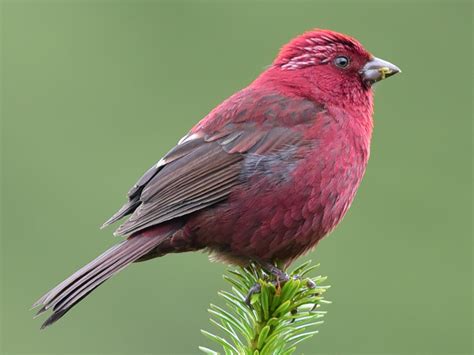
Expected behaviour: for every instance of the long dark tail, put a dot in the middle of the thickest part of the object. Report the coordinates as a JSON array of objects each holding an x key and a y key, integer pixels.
[{"x": 76, "y": 287}]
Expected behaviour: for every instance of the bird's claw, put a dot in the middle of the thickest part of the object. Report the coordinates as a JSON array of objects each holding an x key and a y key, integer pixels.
[
  {"x": 253, "y": 290},
  {"x": 310, "y": 284},
  {"x": 281, "y": 278}
]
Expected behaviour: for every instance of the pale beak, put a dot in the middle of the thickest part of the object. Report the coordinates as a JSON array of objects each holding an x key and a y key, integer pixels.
[{"x": 377, "y": 69}]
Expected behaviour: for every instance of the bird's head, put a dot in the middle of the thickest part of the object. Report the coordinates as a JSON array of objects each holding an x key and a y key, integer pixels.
[{"x": 328, "y": 63}]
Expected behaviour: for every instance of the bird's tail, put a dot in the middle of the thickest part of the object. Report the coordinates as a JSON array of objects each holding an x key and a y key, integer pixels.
[{"x": 76, "y": 287}]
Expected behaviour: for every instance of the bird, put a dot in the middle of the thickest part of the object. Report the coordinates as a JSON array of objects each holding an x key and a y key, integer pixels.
[{"x": 260, "y": 179}]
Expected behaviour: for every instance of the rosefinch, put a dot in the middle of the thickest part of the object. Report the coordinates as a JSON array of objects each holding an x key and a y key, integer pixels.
[{"x": 262, "y": 178}]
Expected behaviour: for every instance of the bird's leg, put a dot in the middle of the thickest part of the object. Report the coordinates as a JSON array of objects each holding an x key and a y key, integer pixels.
[
  {"x": 280, "y": 275},
  {"x": 280, "y": 278}
]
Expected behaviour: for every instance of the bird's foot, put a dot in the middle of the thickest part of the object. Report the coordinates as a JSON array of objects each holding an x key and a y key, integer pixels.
[
  {"x": 253, "y": 290},
  {"x": 309, "y": 283},
  {"x": 278, "y": 283},
  {"x": 280, "y": 278}
]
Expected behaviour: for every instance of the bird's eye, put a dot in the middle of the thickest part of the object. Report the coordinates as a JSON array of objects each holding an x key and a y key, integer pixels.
[{"x": 341, "y": 61}]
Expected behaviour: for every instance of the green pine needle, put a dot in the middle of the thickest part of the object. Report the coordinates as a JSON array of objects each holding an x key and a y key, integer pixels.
[{"x": 280, "y": 318}]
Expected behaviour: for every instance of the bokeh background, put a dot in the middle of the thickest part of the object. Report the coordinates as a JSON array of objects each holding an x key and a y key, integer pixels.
[{"x": 94, "y": 92}]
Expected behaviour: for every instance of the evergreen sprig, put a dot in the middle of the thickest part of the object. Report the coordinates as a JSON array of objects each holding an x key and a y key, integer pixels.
[{"x": 280, "y": 316}]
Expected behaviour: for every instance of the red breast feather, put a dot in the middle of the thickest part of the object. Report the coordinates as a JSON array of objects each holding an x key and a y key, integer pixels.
[{"x": 287, "y": 200}]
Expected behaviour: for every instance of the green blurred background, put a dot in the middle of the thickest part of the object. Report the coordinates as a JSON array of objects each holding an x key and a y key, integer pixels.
[{"x": 94, "y": 92}]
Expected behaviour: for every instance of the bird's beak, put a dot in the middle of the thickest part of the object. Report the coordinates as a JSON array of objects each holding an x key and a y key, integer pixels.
[{"x": 377, "y": 69}]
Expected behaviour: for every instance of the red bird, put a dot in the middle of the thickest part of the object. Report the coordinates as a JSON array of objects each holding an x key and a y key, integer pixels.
[{"x": 262, "y": 178}]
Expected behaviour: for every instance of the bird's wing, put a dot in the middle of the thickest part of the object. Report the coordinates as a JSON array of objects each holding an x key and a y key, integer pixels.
[{"x": 199, "y": 172}]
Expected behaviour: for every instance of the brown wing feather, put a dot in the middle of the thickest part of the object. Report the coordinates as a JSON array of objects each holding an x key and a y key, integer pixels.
[
  {"x": 134, "y": 193},
  {"x": 195, "y": 181},
  {"x": 196, "y": 174}
]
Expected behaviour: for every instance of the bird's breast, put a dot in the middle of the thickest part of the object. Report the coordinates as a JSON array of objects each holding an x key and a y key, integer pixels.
[
  {"x": 332, "y": 171},
  {"x": 288, "y": 200}
]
